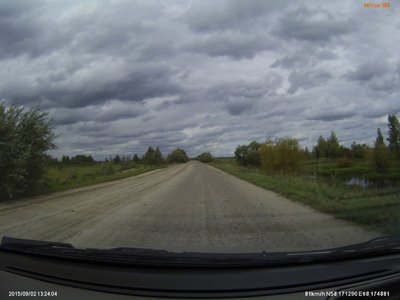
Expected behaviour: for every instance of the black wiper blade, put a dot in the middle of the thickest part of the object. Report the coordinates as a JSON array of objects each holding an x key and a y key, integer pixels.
[
  {"x": 16, "y": 243},
  {"x": 378, "y": 246},
  {"x": 374, "y": 245},
  {"x": 141, "y": 256}
]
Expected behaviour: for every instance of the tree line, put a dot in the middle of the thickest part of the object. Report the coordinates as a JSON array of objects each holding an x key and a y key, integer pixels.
[
  {"x": 153, "y": 156},
  {"x": 286, "y": 155}
]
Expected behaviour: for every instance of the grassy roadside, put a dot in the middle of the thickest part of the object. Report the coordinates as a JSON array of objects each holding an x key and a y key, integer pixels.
[
  {"x": 71, "y": 177},
  {"x": 358, "y": 168},
  {"x": 377, "y": 209}
]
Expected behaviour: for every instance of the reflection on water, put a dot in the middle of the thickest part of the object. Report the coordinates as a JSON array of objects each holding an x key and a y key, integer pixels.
[
  {"x": 359, "y": 182},
  {"x": 362, "y": 182}
]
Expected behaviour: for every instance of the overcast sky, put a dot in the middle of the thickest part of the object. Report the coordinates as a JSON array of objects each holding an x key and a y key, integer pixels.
[{"x": 118, "y": 76}]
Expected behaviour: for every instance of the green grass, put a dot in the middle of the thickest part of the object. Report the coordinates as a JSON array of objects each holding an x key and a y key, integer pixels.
[
  {"x": 377, "y": 209},
  {"x": 359, "y": 168},
  {"x": 74, "y": 176}
]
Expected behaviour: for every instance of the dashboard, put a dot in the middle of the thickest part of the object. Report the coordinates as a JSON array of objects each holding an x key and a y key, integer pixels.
[{"x": 24, "y": 276}]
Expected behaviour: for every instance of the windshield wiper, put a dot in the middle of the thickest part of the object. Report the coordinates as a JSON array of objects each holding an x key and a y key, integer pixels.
[
  {"x": 140, "y": 256},
  {"x": 25, "y": 244},
  {"x": 378, "y": 246}
]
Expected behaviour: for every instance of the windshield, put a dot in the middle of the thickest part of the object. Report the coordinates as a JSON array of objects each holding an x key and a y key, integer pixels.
[{"x": 202, "y": 126}]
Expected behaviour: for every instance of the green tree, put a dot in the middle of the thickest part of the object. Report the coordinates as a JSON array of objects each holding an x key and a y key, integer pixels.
[
  {"x": 332, "y": 146},
  {"x": 394, "y": 135},
  {"x": 177, "y": 156},
  {"x": 248, "y": 154},
  {"x": 65, "y": 160},
  {"x": 81, "y": 159},
  {"x": 241, "y": 154},
  {"x": 136, "y": 159},
  {"x": 307, "y": 153},
  {"x": 344, "y": 152},
  {"x": 117, "y": 159},
  {"x": 321, "y": 149},
  {"x": 329, "y": 148},
  {"x": 153, "y": 156},
  {"x": 380, "y": 156},
  {"x": 25, "y": 137},
  {"x": 205, "y": 157},
  {"x": 158, "y": 157},
  {"x": 359, "y": 151},
  {"x": 149, "y": 156}
]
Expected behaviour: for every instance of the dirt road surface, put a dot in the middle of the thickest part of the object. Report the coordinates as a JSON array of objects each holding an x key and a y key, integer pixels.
[{"x": 189, "y": 207}]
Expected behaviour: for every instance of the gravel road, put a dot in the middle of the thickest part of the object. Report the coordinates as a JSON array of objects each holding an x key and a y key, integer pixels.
[{"x": 189, "y": 207}]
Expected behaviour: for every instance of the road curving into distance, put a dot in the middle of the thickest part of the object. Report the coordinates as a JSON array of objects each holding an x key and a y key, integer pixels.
[{"x": 187, "y": 207}]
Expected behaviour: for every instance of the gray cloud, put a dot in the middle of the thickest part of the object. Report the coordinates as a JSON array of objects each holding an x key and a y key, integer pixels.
[
  {"x": 307, "y": 79},
  {"x": 92, "y": 84},
  {"x": 236, "y": 46},
  {"x": 367, "y": 71},
  {"x": 109, "y": 111},
  {"x": 304, "y": 57},
  {"x": 238, "y": 107},
  {"x": 202, "y": 75},
  {"x": 229, "y": 14},
  {"x": 375, "y": 108},
  {"x": 332, "y": 116},
  {"x": 312, "y": 25},
  {"x": 377, "y": 75},
  {"x": 15, "y": 35}
]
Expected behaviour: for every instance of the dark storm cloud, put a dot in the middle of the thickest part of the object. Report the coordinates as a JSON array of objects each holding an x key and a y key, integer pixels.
[
  {"x": 144, "y": 81},
  {"x": 25, "y": 30},
  {"x": 202, "y": 75},
  {"x": 14, "y": 32},
  {"x": 14, "y": 36}
]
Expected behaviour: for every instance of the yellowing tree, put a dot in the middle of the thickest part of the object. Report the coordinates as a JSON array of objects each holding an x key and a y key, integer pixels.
[
  {"x": 281, "y": 155},
  {"x": 268, "y": 156}
]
